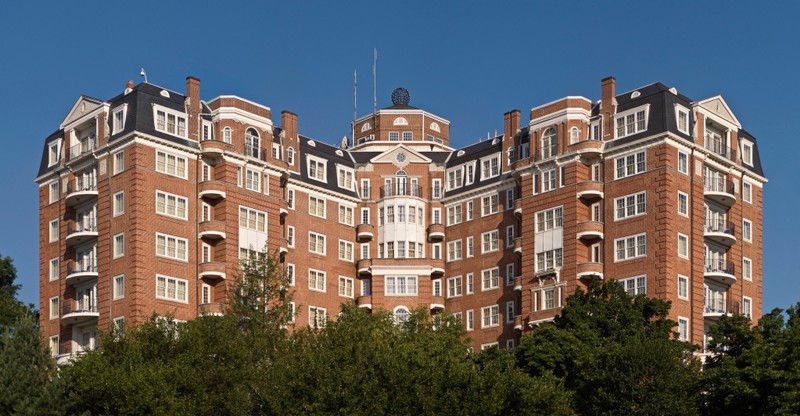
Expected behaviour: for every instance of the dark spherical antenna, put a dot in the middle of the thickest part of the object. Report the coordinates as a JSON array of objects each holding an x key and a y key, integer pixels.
[{"x": 400, "y": 96}]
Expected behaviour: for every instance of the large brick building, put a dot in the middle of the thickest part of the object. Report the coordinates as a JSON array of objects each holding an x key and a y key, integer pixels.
[{"x": 149, "y": 200}]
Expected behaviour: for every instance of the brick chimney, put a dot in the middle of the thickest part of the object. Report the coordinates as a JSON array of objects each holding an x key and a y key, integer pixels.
[
  {"x": 193, "y": 107},
  {"x": 608, "y": 106},
  {"x": 510, "y": 129},
  {"x": 290, "y": 139}
]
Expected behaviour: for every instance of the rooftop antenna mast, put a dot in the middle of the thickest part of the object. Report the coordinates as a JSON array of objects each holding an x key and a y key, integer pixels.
[
  {"x": 374, "y": 80},
  {"x": 143, "y": 74}
]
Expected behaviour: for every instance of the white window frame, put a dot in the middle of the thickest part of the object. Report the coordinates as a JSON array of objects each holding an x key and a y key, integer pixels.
[
  {"x": 317, "y": 317},
  {"x": 348, "y": 212},
  {"x": 683, "y": 287},
  {"x": 747, "y": 306},
  {"x": 470, "y": 246},
  {"x": 317, "y": 239},
  {"x": 252, "y": 180},
  {"x": 632, "y": 286},
  {"x": 510, "y": 310},
  {"x": 119, "y": 287},
  {"x": 54, "y": 271},
  {"x": 318, "y": 282},
  {"x": 54, "y": 230},
  {"x": 119, "y": 162},
  {"x": 345, "y": 178},
  {"x": 630, "y": 165},
  {"x": 227, "y": 135},
  {"x": 165, "y": 208},
  {"x": 163, "y": 250},
  {"x": 455, "y": 287},
  {"x": 493, "y": 205},
  {"x": 177, "y": 282},
  {"x": 683, "y": 162},
  {"x": 683, "y": 252},
  {"x": 318, "y": 202},
  {"x": 510, "y": 274},
  {"x": 747, "y": 230},
  {"x": 455, "y": 214},
  {"x": 348, "y": 248},
  {"x": 470, "y": 321},
  {"x": 54, "y": 194},
  {"x": 633, "y": 205},
  {"x": 747, "y": 152},
  {"x": 290, "y": 198},
  {"x": 320, "y": 168},
  {"x": 683, "y": 329},
  {"x": 555, "y": 221},
  {"x": 683, "y": 208},
  {"x": 747, "y": 191},
  {"x": 747, "y": 269},
  {"x": 490, "y": 316},
  {"x": 492, "y": 238},
  {"x": 454, "y": 250},
  {"x": 510, "y": 235},
  {"x": 165, "y": 128},
  {"x": 490, "y": 279},
  {"x": 627, "y": 241},
  {"x": 53, "y": 153},
  {"x": 290, "y": 236},
  {"x": 685, "y": 111},
  {"x": 55, "y": 346},
  {"x": 509, "y": 199},
  {"x": 165, "y": 167},
  {"x": 470, "y": 210},
  {"x": 491, "y": 170},
  {"x": 118, "y": 204},
  {"x": 119, "y": 245},
  {"x": 626, "y": 127},
  {"x": 347, "y": 287},
  {"x": 54, "y": 306},
  {"x": 291, "y": 272},
  {"x": 249, "y": 216},
  {"x": 548, "y": 180},
  {"x": 393, "y": 288},
  {"x": 549, "y": 259}
]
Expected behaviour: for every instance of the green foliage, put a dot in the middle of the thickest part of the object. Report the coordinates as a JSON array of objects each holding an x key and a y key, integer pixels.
[
  {"x": 11, "y": 309},
  {"x": 617, "y": 354}
]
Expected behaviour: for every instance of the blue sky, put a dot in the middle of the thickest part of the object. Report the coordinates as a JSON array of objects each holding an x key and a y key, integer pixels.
[{"x": 466, "y": 61}]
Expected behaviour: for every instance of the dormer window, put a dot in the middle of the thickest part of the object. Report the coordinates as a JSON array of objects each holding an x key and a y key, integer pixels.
[
  {"x": 316, "y": 168},
  {"x": 252, "y": 142},
  {"x": 455, "y": 178},
  {"x": 631, "y": 122},
  {"x": 53, "y": 153},
  {"x": 490, "y": 167},
  {"x": 747, "y": 152},
  {"x": 118, "y": 119},
  {"x": 682, "y": 118},
  {"x": 345, "y": 178},
  {"x": 170, "y": 121}
]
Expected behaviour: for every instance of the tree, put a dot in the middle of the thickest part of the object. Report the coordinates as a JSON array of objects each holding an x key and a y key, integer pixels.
[
  {"x": 617, "y": 354},
  {"x": 10, "y": 307}
]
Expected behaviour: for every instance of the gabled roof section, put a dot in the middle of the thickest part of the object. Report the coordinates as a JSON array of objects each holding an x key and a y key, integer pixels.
[
  {"x": 331, "y": 154},
  {"x": 83, "y": 106},
  {"x": 389, "y": 156},
  {"x": 717, "y": 106}
]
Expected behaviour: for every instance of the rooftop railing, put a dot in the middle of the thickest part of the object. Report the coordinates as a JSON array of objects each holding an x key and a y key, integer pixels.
[{"x": 86, "y": 145}]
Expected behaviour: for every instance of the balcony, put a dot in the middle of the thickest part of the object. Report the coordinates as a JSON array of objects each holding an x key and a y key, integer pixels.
[
  {"x": 211, "y": 189},
  {"x": 212, "y": 270},
  {"x": 718, "y": 150},
  {"x": 587, "y": 147},
  {"x": 518, "y": 324},
  {"x": 518, "y": 246},
  {"x": 548, "y": 152},
  {"x": 254, "y": 152},
  {"x": 719, "y": 190},
  {"x": 589, "y": 270},
  {"x": 437, "y": 267},
  {"x": 79, "y": 312},
  {"x": 407, "y": 190},
  {"x": 213, "y": 230},
  {"x": 435, "y": 232},
  {"x": 518, "y": 208},
  {"x": 720, "y": 231},
  {"x": 85, "y": 147},
  {"x": 81, "y": 232},
  {"x": 364, "y": 267},
  {"x": 364, "y": 301},
  {"x": 590, "y": 230},
  {"x": 589, "y": 190},
  {"x": 212, "y": 309},
  {"x": 437, "y": 303},
  {"x": 365, "y": 232},
  {"x": 80, "y": 192},
  {"x": 714, "y": 309},
  {"x": 214, "y": 148},
  {"x": 78, "y": 273},
  {"x": 720, "y": 271}
]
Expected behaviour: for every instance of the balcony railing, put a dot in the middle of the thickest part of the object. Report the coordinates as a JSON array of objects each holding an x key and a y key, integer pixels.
[
  {"x": 80, "y": 307},
  {"x": 408, "y": 190},
  {"x": 547, "y": 152},
  {"x": 718, "y": 184},
  {"x": 80, "y": 186},
  {"x": 720, "y": 149},
  {"x": 720, "y": 266},
  {"x": 720, "y": 226},
  {"x": 89, "y": 225},
  {"x": 715, "y": 306},
  {"x": 255, "y": 152},
  {"x": 81, "y": 268},
  {"x": 85, "y": 146}
]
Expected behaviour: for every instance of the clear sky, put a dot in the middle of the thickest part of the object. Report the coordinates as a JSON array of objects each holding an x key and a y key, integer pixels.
[{"x": 466, "y": 61}]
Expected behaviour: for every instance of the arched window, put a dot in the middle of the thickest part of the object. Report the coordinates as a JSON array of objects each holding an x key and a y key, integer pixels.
[
  {"x": 511, "y": 155},
  {"x": 252, "y": 143},
  {"x": 400, "y": 121},
  {"x": 227, "y": 134},
  {"x": 401, "y": 314},
  {"x": 435, "y": 127},
  {"x": 402, "y": 182},
  {"x": 365, "y": 127},
  {"x": 574, "y": 135},
  {"x": 290, "y": 156},
  {"x": 549, "y": 143}
]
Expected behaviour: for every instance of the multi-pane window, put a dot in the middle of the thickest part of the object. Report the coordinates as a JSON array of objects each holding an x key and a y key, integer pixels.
[
  {"x": 394, "y": 136},
  {"x": 290, "y": 235},
  {"x": 252, "y": 219},
  {"x": 345, "y": 178},
  {"x": 408, "y": 136},
  {"x": 747, "y": 191},
  {"x": 747, "y": 268},
  {"x": 119, "y": 245},
  {"x": 317, "y": 317},
  {"x": 631, "y": 205},
  {"x": 365, "y": 189},
  {"x": 171, "y": 123},
  {"x": 365, "y": 215},
  {"x": 470, "y": 321},
  {"x": 747, "y": 153},
  {"x": 491, "y": 278},
  {"x": 470, "y": 283},
  {"x": 119, "y": 162},
  {"x": 316, "y": 243},
  {"x": 119, "y": 203},
  {"x": 509, "y": 199},
  {"x": 437, "y": 189},
  {"x": 683, "y": 120},
  {"x": 290, "y": 274},
  {"x": 634, "y": 285},
  {"x": 252, "y": 180},
  {"x": 629, "y": 165},
  {"x": 316, "y": 280},
  {"x": 454, "y": 250},
  {"x": 171, "y": 288},
  {"x": 170, "y": 164},
  {"x": 510, "y": 312},
  {"x": 437, "y": 288},
  {"x": 53, "y": 153},
  {"x": 171, "y": 205},
  {"x": 548, "y": 180},
  {"x": 490, "y": 316},
  {"x": 290, "y": 156},
  {"x": 346, "y": 287},
  {"x": 683, "y": 204},
  {"x": 470, "y": 246},
  {"x": 490, "y": 167},
  {"x": 510, "y": 274},
  {"x": 455, "y": 178},
  {"x": 683, "y": 246},
  {"x": 345, "y": 250},
  {"x": 550, "y": 259},
  {"x": 53, "y": 192},
  {"x": 454, "y": 214},
  {"x": 549, "y": 143},
  {"x": 683, "y": 163},
  {"x": 454, "y": 286},
  {"x": 747, "y": 230},
  {"x": 316, "y": 169},
  {"x": 630, "y": 247},
  {"x": 227, "y": 135},
  {"x": 549, "y": 219},
  {"x": 683, "y": 329},
  {"x": 747, "y": 307},
  {"x": 509, "y": 236},
  {"x": 683, "y": 287},
  {"x": 470, "y": 210},
  {"x": 54, "y": 307},
  {"x": 346, "y": 214},
  {"x": 316, "y": 206},
  {"x": 489, "y": 205},
  {"x": 55, "y": 346},
  {"x": 119, "y": 287},
  {"x": 53, "y": 231},
  {"x": 290, "y": 198},
  {"x": 632, "y": 123},
  {"x": 171, "y": 247},
  {"x": 401, "y": 285},
  {"x": 490, "y": 241},
  {"x": 55, "y": 264}
]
